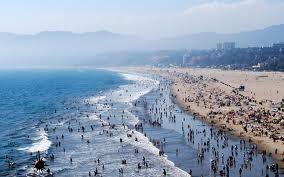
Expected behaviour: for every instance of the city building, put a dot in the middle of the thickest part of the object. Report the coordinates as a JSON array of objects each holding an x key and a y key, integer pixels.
[
  {"x": 279, "y": 45},
  {"x": 226, "y": 46},
  {"x": 185, "y": 59},
  {"x": 219, "y": 46}
]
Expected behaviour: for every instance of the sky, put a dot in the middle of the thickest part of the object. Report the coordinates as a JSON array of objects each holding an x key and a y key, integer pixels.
[{"x": 149, "y": 19}]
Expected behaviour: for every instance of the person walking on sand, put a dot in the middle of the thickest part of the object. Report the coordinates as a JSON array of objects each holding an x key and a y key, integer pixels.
[{"x": 164, "y": 172}]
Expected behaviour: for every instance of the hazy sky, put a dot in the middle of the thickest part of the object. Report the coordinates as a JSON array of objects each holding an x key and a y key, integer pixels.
[{"x": 145, "y": 18}]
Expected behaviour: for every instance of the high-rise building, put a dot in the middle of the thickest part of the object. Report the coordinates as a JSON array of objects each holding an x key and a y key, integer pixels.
[
  {"x": 185, "y": 59},
  {"x": 219, "y": 46},
  {"x": 226, "y": 46}
]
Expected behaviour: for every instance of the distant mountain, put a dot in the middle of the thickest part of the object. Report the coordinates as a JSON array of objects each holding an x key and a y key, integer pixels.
[
  {"x": 205, "y": 40},
  {"x": 64, "y": 46},
  {"x": 62, "y": 43},
  {"x": 61, "y": 47}
]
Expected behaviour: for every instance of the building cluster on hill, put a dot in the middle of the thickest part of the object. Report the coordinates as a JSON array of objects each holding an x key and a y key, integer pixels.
[
  {"x": 227, "y": 56},
  {"x": 226, "y": 45}
]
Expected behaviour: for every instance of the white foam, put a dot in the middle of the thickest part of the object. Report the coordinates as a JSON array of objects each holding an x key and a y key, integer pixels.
[
  {"x": 100, "y": 108},
  {"x": 95, "y": 99},
  {"x": 132, "y": 119},
  {"x": 144, "y": 143},
  {"x": 41, "y": 143},
  {"x": 133, "y": 77},
  {"x": 136, "y": 77},
  {"x": 127, "y": 93},
  {"x": 93, "y": 117},
  {"x": 142, "y": 85}
]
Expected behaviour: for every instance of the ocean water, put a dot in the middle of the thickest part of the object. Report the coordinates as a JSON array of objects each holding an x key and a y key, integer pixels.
[
  {"x": 43, "y": 112},
  {"x": 28, "y": 98}
]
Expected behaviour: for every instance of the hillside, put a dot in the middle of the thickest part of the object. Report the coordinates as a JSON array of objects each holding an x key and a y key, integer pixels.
[{"x": 68, "y": 48}]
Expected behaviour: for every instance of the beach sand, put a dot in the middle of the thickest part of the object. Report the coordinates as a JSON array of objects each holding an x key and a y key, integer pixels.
[
  {"x": 207, "y": 93},
  {"x": 261, "y": 85}
]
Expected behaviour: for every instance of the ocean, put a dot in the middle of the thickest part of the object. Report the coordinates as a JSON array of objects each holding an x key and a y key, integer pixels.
[{"x": 30, "y": 98}]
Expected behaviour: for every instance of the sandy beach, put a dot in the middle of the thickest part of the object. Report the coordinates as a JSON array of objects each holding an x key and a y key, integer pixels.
[{"x": 214, "y": 96}]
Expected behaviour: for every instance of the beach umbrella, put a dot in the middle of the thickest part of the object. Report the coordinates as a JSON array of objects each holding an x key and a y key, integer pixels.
[{"x": 282, "y": 122}]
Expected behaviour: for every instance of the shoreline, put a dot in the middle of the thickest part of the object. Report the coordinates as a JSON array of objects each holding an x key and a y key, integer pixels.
[
  {"x": 174, "y": 128},
  {"x": 157, "y": 133},
  {"x": 264, "y": 143},
  {"x": 114, "y": 141}
]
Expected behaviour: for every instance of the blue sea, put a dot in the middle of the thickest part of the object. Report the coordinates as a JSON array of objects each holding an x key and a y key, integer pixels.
[{"x": 30, "y": 97}]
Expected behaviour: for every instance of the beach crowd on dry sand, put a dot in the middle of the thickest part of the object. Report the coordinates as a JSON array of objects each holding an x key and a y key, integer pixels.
[
  {"x": 253, "y": 110},
  {"x": 246, "y": 104}
]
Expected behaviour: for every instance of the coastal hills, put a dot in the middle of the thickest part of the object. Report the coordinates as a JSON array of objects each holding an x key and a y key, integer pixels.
[
  {"x": 68, "y": 48},
  {"x": 207, "y": 40}
]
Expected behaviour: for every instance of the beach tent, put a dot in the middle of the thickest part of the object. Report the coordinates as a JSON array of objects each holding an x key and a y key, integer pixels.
[{"x": 275, "y": 120}]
